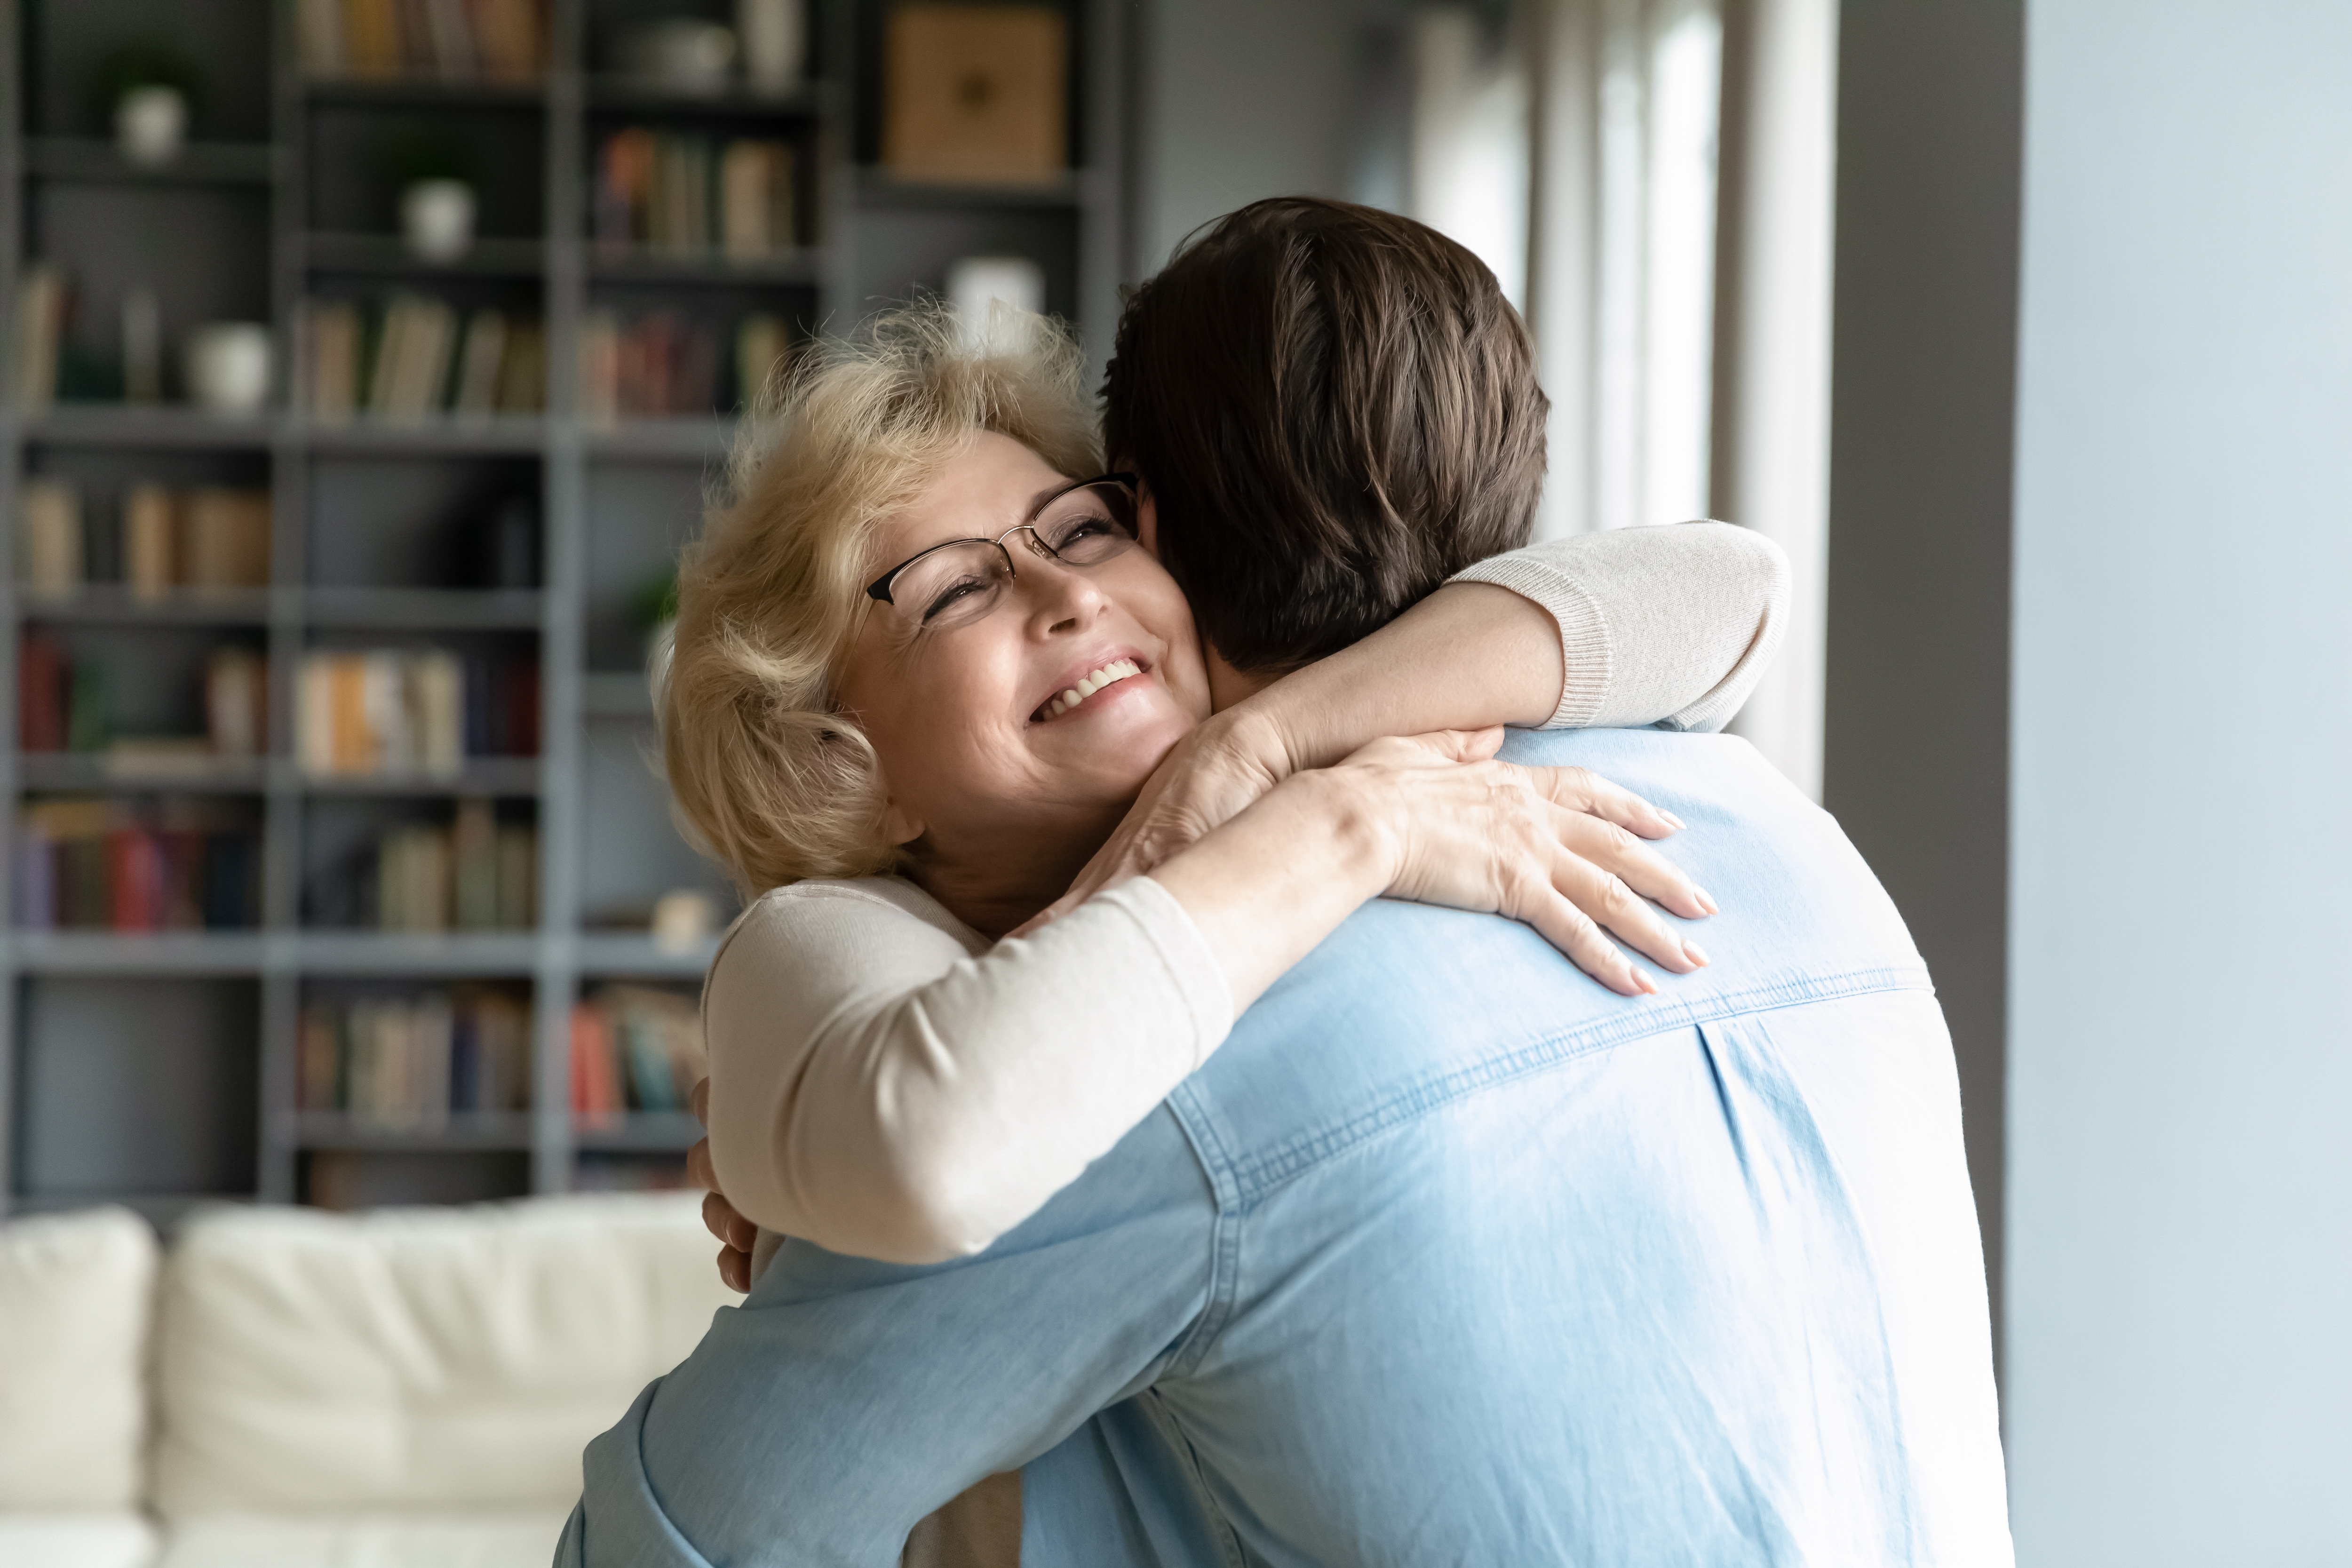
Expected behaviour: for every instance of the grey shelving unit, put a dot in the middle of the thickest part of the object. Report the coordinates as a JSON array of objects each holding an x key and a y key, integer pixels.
[{"x": 159, "y": 1070}]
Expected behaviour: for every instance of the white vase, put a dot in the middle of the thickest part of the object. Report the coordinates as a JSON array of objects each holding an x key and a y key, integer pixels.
[
  {"x": 437, "y": 218},
  {"x": 150, "y": 124},
  {"x": 774, "y": 34},
  {"x": 226, "y": 367}
]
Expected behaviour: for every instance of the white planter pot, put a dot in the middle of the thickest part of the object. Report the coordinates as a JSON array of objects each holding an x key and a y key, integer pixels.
[{"x": 437, "y": 218}]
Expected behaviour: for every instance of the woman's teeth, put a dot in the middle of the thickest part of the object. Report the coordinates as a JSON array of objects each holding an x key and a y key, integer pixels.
[{"x": 1116, "y": 670}]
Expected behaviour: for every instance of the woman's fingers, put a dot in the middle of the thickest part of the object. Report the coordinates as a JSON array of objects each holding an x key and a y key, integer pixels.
[
  {"x": 1647, "y": 872},
  {"x": 1612, "y": 904},
  {"x": 735, "y": 1270},
  {"x": 1580, "y": 789},
  {"x": 1567, "y": 928}
]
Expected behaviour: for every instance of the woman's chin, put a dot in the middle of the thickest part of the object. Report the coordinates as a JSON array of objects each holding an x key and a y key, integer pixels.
[{"x": 1120, "y": 744}]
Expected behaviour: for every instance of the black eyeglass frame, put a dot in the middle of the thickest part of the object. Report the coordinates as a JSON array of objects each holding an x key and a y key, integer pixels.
[{"x": 879, "y": 589}]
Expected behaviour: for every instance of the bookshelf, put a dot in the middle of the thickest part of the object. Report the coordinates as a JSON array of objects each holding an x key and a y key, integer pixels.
[{"x": 166, "y": 1067}]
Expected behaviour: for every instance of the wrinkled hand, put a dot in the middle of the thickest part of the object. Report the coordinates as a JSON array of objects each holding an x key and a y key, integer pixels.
[
  {"x": 735, "y": 1233},
  {"x": 1556, "y": 847},
  {"x": 1210, "y": 777}
]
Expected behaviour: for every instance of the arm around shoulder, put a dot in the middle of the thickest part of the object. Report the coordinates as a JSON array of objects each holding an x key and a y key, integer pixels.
[
  {"x": 1671, "y": 624},
  {"x": 886, "y": 1085}
]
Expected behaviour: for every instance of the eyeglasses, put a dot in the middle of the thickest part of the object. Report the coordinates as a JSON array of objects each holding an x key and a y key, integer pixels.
[{"x": 960, "y": 582}]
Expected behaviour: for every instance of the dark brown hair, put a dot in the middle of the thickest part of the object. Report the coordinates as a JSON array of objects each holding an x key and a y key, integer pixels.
[{"x": 1334, "y": 409}]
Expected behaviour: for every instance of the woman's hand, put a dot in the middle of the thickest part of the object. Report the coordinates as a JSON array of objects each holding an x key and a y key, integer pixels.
[
  {"x": 1207, "y": 779},
  {"x": 735, "y": 1233},
  {"x": 1463, "y": 830},
  {"x": 1225, "y": 764}
]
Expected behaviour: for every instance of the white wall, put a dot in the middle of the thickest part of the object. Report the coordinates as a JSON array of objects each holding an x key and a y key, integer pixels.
[
  {"x": 1244, "y": 99},
  {"x": 2179, "y": 1282}
]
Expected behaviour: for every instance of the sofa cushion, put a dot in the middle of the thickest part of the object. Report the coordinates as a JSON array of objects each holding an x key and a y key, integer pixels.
[
  {"x": 486, "y": 1541},
  {"x": 76, "y": 1541},
  {"x": 416, "y": 1359},
  {"x": 77, "y": 1291}
]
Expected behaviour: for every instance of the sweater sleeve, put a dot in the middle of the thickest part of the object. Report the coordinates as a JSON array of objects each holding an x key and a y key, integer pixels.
[
  {"x": 881, "y": 1089},
  {"x": 1670, "y": 626}
]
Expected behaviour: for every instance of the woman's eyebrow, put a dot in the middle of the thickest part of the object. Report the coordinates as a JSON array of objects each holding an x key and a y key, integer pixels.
[{"x": 1046, "y": 498}]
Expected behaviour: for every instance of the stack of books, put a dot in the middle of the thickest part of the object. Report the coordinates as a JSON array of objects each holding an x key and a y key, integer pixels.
[
  {"x": 205, "y": 538},
  {"x": 446, "y": 40},
  {"x": 414, "y": 358},
  {"x": 663, "y": 367},
  {"x": 62, "y": 706},
  {"x": 105, "y": 865},
  {"x": 36, "y": 332},
  {"x": 475, "y": 874},
  {"x": 388, "y": 712},
  {"x": 412, "y": 1062},
  {"x": 634, "y": 1048},
  {"x": 688, "y": 195}
]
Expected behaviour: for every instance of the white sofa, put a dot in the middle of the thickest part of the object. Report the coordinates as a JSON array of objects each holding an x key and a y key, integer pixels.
[{"x": 291, "y": 1389}]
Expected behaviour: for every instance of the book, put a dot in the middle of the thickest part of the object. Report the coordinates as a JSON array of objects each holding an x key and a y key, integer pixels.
[
  {"x": 510, "y": 37},
  {"x": 452, "y": 30},
  {"x": 37, "y": 333},
  {"x": 386, "y": 349},
  {"x": 371, "y": 38},
  {"x": 411, "y": 1062},
  {"x": 436, "y": 680},
  {"x": 328, "y": 333},
  {"x": 150, "y": 527},
  {"x": 600, "y": 368},
  {"x": 225, "y": 538},
  {"x": 763, "y": 352},
  {"x": 42, "y": 673},
  {"x": 319, "y": 1059},
  {"x": 379, "y": 712},
  {"x": 518, "y": 876},
  {"x": 976, "y": 94},
  {"x": 755, "y": 204},
  {"x": 87, "y": 709},
  {"x": 105, "y": 864},
  {"x": 522, "y": 369},
  {"x": 637, "y": 1049},
  {"x": 474, "y": 857},
  {"x": 596, "y": 1098},
  {"x": 476, "y": 394},
  {"x": 53, "y": 560},
  {"x": 412, "y": 377}
]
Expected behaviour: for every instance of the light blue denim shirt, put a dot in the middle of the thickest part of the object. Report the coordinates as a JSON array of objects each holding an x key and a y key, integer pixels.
[{"x": 1448, "y": 1254}]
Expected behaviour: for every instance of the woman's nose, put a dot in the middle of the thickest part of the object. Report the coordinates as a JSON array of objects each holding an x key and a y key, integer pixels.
[{"x": 1058, "y": 599}]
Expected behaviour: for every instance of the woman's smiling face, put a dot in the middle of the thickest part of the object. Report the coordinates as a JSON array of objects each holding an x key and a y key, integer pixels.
[{"x": 985, "y": 760}]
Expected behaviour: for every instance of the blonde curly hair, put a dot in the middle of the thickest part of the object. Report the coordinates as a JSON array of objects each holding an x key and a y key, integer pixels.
[{"x": 767, "y": 777}]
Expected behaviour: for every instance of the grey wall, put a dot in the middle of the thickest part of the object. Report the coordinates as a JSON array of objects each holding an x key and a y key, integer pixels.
[
  {"x": 1244, "y": 98},
  {"x": 2181, "y": 1175},
  {"x": 1915, "y": 762}
]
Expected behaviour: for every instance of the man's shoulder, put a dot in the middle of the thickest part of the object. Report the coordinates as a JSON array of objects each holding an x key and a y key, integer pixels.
[{"x": 1406, "y": 1005}]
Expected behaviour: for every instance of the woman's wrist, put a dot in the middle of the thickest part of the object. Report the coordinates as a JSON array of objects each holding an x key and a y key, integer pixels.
[{"x": 1349, "y": 819}]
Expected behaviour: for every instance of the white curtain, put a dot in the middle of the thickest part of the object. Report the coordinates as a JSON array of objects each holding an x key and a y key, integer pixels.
[{"x": 1679, "y": 305}]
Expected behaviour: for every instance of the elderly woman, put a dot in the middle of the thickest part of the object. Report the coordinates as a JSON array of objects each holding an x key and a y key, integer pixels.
[{"x": 926, "y": 661}]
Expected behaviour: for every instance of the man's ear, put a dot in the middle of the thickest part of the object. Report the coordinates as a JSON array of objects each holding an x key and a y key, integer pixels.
[
  {"x": 1147, "y": 519},
  {"x": 898, "y": 825}
]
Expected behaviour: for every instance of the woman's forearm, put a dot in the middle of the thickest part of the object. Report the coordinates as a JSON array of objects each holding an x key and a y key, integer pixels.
[
  {"x": 1269, "y": 885},
  {"x": 1629, "y": 628},
  {"x": 1469, "y": 656}
]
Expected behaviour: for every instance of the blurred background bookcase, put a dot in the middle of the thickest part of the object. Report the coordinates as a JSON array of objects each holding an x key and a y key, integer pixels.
[{"x": 165, "y": 1067}]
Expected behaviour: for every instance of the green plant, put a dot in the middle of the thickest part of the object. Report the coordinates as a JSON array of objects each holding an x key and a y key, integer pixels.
[
  {"x": 655, "y": 601},
  {"x": 421, "y": 152},
  {"x": 144, "y": 62}
]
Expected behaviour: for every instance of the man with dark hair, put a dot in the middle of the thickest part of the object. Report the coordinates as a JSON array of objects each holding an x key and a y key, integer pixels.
[
  {"x": 1447, "y": 1255},
  {"x": 1399, "y": 439}
]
